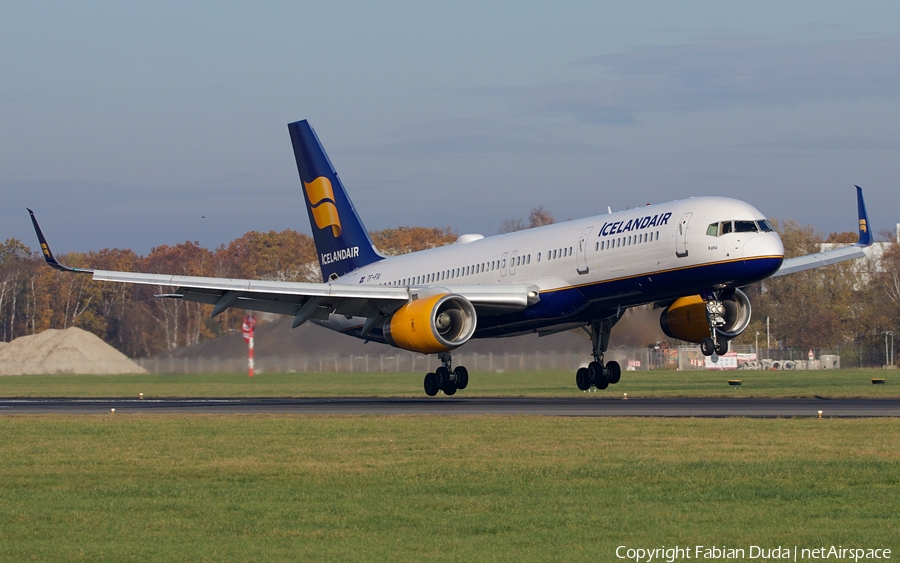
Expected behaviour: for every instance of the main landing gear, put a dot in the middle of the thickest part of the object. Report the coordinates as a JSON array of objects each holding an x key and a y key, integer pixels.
[
  {"x": 597, "y": 373},
  {"x": 714, "y": 344},
  {"x": 446, "y": 379}
]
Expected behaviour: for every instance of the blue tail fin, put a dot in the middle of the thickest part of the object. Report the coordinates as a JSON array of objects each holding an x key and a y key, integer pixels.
[{"x": 342, "y": 242}]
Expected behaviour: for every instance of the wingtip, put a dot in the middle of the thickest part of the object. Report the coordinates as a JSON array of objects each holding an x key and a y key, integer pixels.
[
  {"x": 865, "y": 226},
  {"x": 48, "y": 254}
]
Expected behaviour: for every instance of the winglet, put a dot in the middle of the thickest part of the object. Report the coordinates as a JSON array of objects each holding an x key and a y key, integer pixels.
[
  {"x": 865, "y": 228},
  {"x": 48, "y": 254}
]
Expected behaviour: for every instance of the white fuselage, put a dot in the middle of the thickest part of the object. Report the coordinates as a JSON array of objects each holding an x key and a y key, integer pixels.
[{"x": 607, "y": 261}]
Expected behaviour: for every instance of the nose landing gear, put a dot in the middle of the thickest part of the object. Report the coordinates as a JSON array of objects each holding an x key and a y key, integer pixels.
[{"x": 714, "y": 344}]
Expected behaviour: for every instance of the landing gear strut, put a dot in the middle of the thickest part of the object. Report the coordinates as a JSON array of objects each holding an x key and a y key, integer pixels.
[
  {"x": 446, "y": 378},
  {"x": 714, "y": 344},
  {"x": 597, "y": 373}
]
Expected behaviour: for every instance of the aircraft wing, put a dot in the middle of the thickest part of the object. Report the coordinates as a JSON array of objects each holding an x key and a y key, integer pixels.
[
  {"x": 810, "y": 261},
  {"x": 305, "y": 301},
  {"x": 317, "y": 300}
]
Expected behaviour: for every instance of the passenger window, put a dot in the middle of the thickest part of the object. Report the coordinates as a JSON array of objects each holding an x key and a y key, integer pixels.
[
  {"x": 538, "y": 256},
  {"x": 713, "y": 230},
  {"x": 745, "y": 227}
]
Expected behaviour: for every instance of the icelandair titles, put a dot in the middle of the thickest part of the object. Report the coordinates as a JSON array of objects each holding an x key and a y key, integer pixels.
[
  {"x": 618, "y": 227},
  {"x": 338, "y": 255}
]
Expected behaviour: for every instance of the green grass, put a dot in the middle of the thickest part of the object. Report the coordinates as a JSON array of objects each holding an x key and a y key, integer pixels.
[
  {"x": 310, "y": 488},
  {"x": 830, "y": 383}
]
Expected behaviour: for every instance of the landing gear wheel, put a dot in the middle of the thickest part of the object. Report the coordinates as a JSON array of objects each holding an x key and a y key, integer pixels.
[
  {"x": 443, "y": 378},
  {"x": 462, "y": 377},
  {"x": 613, "y": 372},
  {"x": 707, "y": 346},
  {"x": 431, "y": 385},
  {"x": 722, "y": 347},
  {"x": 602, "y": 383},
  {"x": 449, "y": 390},
  {"x": 581, "y": 379},
  {"x": 595, "y": 373}
]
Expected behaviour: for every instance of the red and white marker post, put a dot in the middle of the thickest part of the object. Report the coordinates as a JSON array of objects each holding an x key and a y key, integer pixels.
[{"x": 247, "y": 330}]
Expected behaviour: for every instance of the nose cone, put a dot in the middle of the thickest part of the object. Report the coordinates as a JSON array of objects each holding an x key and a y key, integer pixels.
[
  {"x": 766, "y": 245},
  {"x": 763, "y": 254}
]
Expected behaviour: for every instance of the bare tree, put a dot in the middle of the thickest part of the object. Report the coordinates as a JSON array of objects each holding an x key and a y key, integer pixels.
[
  {"x": 511, "y": 225},
  {"x": 539, "y": 217}
]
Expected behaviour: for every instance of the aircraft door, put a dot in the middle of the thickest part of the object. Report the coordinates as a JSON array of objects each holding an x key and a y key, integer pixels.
[
  {"x": 681, "y": 236},
  {"x": 503, "y": 264},
  {"x": 512, "y": 262},
  {"x": 581, "y": 252}
]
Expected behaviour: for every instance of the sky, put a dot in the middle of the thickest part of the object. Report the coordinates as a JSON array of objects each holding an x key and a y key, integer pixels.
[{"x": 139, "y": 124}]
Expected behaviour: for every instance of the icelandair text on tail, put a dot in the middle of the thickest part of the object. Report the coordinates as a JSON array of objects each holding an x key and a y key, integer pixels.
[
  {"x": 753, "y": 552},
  {"x": 338, "y": 255}
]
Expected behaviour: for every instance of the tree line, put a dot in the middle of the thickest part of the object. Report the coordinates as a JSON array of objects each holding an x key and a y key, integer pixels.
[{"x": 843, "y": 309}]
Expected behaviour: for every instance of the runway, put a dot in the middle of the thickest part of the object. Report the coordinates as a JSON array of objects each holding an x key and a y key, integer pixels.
[{"x": 446, "y": 406}]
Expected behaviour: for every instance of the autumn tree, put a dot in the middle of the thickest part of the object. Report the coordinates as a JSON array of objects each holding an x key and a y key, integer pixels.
[
  {"x": 14, "y": 259},
  {"x": 539, "y": 216},
  {"x": 278, "y": 256},
  {"x": 403, "y": 240}
]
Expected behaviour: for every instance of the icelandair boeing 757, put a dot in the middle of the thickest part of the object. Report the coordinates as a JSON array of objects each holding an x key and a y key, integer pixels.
[{"x": 689, "y": 257}]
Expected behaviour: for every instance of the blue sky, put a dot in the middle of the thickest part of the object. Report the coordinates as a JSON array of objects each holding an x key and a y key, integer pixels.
[{"x": 123, "y": 124}]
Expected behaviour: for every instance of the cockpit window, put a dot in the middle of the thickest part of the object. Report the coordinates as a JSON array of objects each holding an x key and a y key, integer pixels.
[
  {"x": 725, "y": 227},
  {"x": 745, "y": 226}
]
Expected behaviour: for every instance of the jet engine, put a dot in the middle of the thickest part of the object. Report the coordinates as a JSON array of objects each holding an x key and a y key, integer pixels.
[
  {"x": 686, "y": 318},
  {"x": 438, "y": 323}
]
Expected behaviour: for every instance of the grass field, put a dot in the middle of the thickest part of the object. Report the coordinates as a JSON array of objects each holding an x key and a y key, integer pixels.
[
  {"x": 830, "y": 383},
  {"x": 301, "y": 488}
]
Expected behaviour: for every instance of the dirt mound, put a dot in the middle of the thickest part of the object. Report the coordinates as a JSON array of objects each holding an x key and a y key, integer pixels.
[{"x": 63, "y": 351}]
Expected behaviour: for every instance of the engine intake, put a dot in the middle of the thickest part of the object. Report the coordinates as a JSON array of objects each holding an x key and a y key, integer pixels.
[
  {"x": 438, "y": 323},
  {"x": 686, "y": 319}
]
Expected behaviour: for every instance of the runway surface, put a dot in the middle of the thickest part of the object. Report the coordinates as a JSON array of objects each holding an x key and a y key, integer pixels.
[{"x": 446, "y": 406}]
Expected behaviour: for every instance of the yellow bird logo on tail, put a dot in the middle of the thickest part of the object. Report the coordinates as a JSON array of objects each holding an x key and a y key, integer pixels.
[
  {"x": 321, "y": 201},
  {"x": 862, "y": 226}
]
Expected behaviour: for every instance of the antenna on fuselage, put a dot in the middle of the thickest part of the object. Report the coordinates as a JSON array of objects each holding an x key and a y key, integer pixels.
[{"x": 609, "y": 209}]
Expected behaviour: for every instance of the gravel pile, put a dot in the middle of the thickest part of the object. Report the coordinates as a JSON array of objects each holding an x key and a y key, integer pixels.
[{"x": 63, "y": 351}]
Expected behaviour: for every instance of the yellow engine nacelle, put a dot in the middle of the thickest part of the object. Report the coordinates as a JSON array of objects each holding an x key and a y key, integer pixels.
[
  {"x": 438, "y": 323},
  {"x": 686, "y": 319}
]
